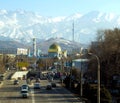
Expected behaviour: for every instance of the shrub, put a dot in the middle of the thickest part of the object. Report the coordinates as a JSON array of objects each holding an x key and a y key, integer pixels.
[
  {"x": 90, "y": 92},
  {"x": 105, "y": 96}
]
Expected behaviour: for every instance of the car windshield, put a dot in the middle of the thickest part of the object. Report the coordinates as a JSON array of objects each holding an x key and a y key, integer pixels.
[{"x": 24, "y": 86}]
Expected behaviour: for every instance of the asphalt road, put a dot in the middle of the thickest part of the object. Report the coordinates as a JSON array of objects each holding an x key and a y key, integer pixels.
[{"x": 10, "y": 93}]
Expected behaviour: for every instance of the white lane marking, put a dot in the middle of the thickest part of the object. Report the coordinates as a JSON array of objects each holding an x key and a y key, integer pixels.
[
  {"x": 33, "y": 96},
  {"x": 48, "y": 98}
]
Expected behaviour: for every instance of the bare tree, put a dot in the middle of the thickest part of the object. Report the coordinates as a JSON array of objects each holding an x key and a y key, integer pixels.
[{"x": 108, "y": 49}]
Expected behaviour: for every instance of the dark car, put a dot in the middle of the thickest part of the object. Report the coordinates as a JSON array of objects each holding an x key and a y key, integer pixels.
[
  {"x": 37, "y": 86},
  {"x": 53, "y": 84},
  {"x": 37, "y": 80},
  {"x": 49, "y": 87},
  {"x": 16, "y": 82}
]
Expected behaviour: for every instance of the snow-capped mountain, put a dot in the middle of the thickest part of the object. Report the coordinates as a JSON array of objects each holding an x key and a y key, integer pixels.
[{"x": 23, "y": 25}]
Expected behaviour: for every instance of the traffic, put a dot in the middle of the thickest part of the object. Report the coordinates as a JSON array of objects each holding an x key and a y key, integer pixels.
[{"x": 38, "y": 91}]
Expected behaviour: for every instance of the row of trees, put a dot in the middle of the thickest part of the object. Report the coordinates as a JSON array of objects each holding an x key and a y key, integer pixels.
[
  {"x": 107, "y": 48},
  {"x": 5, "y": 61}
]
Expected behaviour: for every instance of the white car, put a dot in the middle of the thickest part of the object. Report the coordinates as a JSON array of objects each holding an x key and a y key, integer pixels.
[
  {"x": 25, "y": 93},
  {"x": 25, "y": 87}
]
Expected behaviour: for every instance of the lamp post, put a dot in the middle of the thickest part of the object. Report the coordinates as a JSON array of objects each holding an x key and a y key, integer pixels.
[
  {"x": 85, "y": 52},
  {"x": 98, "y": 76}
]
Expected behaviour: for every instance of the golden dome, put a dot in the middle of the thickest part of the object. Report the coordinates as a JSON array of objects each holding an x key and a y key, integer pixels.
[{"x": 54, "y": 48}]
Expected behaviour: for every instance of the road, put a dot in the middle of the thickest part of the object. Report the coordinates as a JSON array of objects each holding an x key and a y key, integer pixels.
[{"x": 10, "y": 93}]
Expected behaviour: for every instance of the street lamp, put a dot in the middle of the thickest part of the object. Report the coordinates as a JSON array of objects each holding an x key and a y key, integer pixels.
[
  {"x": 98, "y": 76},
  {"x": 85, "y": 52},
  {"x": 71, "y": 64}
]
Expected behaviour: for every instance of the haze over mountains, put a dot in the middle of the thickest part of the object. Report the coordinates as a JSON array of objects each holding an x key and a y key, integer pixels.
[{"x": 23, "y": 25}]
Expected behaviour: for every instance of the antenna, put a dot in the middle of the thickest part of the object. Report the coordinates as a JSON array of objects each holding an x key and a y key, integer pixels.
[{"x": 73, "y": 31}]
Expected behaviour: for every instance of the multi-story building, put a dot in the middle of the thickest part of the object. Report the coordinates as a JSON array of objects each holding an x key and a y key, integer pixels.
[
  {"x": 14, "y": 51},
  {"x": 22, "y": 51}
]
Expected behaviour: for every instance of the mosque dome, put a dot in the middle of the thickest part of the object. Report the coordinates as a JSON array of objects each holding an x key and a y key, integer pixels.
[{"x": 54, "y": 48}]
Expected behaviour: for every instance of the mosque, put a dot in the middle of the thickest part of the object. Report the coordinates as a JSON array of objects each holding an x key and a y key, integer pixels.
[{"x": 56, "y": 51}]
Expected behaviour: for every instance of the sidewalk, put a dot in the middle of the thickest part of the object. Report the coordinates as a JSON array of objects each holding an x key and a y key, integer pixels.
[{"x": 77, "y": 96}]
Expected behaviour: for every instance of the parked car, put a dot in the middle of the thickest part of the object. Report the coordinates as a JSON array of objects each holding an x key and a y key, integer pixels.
[
  {"x": 37, "y": 86},
  {"x": 49, "y": 87},
  {"x": 16, "y": 82}
]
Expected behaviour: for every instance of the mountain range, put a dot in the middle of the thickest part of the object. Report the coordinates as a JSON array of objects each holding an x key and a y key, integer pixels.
[
  {"x": 22, "y": 26},
  {"x": 43, "y": 46}
]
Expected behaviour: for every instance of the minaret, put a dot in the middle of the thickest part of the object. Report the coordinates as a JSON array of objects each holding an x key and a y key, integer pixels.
[
  {"x": 29, "y": 53},
  {"x": 34, "y": 47}
]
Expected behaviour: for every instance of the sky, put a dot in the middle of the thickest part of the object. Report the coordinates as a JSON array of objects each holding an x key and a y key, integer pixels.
[{"x": 56, "y": 8}]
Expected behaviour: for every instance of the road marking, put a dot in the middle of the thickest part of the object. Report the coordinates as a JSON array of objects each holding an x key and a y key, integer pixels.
[{"x": 33, "y": 96}]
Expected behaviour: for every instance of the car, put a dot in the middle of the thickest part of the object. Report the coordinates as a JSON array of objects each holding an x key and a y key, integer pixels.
[
  {"x": 37, "y": 80},
  {"x": 49, "y": 87},
  {"x": 43, "y": 78},
  {"x": 37, "y": 86},
  {"x": 51, "y": 79},
  {"x": 25, "y": 87},
  {"x": 53, "y": 84},
  {"x": 16, "y": 82},
  {"x": 25, "y": 93}
]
